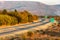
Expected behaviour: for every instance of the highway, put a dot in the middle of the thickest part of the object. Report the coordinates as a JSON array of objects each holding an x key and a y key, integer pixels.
[{"x": 13, "y": 29}]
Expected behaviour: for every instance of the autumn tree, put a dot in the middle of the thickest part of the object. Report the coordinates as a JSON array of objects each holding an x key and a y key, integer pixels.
[
  {"x": 7, "y": 20},
  {"x": 30, "y": 18},
  {"x": 24, "y": 17},
  {"x": 13, "y": 17},
  {"x": 15, "y": 14},
  {"x": 35, "y": 17}
]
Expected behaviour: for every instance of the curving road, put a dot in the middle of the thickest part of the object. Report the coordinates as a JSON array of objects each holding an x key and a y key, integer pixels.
[{"x": 13, "y": 29}]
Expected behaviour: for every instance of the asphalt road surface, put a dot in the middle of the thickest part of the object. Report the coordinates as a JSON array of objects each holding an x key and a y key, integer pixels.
[{"x": 12, "y": 29}]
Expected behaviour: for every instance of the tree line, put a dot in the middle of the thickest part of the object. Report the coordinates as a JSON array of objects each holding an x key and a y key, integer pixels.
[{"x": 15, "y": 17}]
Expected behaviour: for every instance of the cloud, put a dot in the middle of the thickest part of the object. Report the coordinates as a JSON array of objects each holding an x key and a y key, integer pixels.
[{"x": 50, "y": 2}]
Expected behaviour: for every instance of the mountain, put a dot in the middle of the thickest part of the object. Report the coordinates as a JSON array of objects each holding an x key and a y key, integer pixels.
[
  {"x": 33, "y": 7},
  {"x": 57, "y": 8}
]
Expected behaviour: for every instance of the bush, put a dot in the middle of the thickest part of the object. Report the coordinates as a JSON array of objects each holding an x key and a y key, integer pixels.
[
  {"x": 29, "y": 33},
  {"x": 7, "y": 20}
]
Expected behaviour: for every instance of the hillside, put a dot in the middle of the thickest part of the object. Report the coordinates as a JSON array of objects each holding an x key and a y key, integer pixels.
[{"x": 34, "y": 7}]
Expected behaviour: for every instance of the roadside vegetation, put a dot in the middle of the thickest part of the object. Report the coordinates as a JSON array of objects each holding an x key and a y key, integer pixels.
[
  {"x": 52, "y": 33},
  {"x": 16, "y": 17}
]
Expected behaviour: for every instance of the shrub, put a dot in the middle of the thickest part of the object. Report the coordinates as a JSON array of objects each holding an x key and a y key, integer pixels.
[{"x": 7, "y": 20}]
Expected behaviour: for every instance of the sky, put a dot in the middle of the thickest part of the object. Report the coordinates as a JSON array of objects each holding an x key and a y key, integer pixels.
[
  {"x": 49, "y": 2},
  {"x": 13, "y": 4}
]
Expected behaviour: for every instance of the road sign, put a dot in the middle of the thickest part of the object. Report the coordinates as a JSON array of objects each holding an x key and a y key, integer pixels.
[{"x": 52, "y": 20}]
